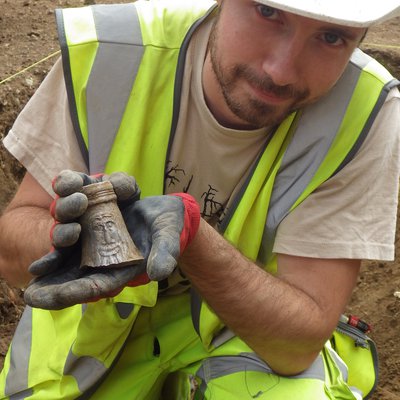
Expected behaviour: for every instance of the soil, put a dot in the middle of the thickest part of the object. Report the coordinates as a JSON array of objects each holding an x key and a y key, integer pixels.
[{"x": 28, "y": 36}]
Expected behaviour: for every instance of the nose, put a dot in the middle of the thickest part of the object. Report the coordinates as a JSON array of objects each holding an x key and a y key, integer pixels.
[
  {"x": 283, "y": 63},
  {"x": 107, "y": 235}
]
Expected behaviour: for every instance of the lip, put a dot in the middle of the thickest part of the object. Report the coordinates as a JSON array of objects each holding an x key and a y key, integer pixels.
[
  {"x": 268, "y": 97},
  {"x": 109, "y": 249}
]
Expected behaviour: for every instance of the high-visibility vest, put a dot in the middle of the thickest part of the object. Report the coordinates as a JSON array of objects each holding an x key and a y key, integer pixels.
[{"x": 123, "y": 66}]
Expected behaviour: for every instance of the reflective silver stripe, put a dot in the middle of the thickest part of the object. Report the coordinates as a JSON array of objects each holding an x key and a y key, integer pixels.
[
  {"x": 358, "y": 394},
  {"x": 20, "y": 352},
  {"x": 112, "y": 76},
  {"x": 382, "y": 97},
  {"x": 339, "y": 363},
  {"x": 317, "y": 128},
  {"x": 360, "y": 59},
  {"x": 25, "y": 394},
  {"x": 17, "y": 377},
  {"x": 87, "y": 371},
  {"x": 68, "y": 80},
  {"x": 216, "y": 367},
  {"x": 223, "y": 336}
]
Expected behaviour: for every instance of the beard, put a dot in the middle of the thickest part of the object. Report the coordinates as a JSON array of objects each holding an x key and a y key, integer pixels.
[{"x": 253, "y": 110}]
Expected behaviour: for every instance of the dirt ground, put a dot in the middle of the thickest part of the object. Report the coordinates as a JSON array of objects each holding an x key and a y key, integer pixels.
[{"x": 28, "y": 36}]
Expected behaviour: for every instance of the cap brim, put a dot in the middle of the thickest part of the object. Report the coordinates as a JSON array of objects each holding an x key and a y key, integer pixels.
[{"x": 356, "y": 13}]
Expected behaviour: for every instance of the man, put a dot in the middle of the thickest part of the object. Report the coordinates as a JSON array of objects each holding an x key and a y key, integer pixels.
[{"x": 267, "y": 115}]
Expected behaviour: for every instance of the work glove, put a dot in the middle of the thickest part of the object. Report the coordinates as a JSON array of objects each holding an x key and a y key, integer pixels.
[{"x": 160, "y": 226}]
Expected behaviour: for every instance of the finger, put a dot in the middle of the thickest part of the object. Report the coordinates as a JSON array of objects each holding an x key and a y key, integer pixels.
[
  {"x": 47, "y": 264},
  {"x": 160, "y": 265},
  {"x": 90, "y": 179},
  {"x": 125, "y": 186},
  {"x": 65, "y": 235},
  {"x": 71, "y": 207},
  {"x": 57, "y": 291},
  {"x": 49, "y": 292},
  {"x": 164, "y": 253},
  {"x": 38, "y": 297},
  {"x": 67, "y": 182}
]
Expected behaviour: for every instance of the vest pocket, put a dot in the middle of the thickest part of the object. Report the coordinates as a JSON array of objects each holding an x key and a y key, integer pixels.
[{"x": 359, "y": 353}]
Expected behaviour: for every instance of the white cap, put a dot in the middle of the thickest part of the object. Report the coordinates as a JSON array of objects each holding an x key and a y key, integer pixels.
[{"x": 356, "y": 13}]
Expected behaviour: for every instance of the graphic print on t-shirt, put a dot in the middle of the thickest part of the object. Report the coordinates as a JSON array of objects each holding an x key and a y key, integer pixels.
[
  {"x": 172, "y": 175},
  {"x": 211, "y": 206}
]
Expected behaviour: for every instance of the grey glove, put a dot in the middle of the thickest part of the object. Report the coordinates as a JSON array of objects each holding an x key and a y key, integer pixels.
[{"x": 160, "y": 226}]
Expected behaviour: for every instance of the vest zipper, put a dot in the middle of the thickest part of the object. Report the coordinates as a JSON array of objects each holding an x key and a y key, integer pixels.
[{"x": 360, "y": 338}]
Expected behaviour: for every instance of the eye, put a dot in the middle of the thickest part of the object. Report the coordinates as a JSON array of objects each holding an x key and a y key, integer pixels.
[
  {"x": 97, "y": 227},
  {"x": 332, "y": 39},
  {"x": 266, "y": 11}
]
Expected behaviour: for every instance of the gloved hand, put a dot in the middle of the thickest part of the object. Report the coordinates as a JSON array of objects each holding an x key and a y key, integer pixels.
[{"x": 160, "y": 226}]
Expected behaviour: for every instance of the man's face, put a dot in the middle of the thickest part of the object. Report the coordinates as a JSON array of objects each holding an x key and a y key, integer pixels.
[
  {"x": 106, "y": 235},
  {"x": 263, "y": 63}
]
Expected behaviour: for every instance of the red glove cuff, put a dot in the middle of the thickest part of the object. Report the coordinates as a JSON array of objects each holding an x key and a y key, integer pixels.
[
  {"x": 140, "y": 280},
  {"x": 51, "y": 235},
  {"x": 52, "y": 207},
  {"x": 191, "y": 219}
]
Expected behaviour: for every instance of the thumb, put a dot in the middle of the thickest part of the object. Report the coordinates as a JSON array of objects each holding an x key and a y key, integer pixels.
[
  {"x": 47, "y": 264},
  {"x": 163, "y": 257}
]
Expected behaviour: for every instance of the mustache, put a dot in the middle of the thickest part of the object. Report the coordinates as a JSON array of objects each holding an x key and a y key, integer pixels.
[{"x": 266, "y": 83}]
